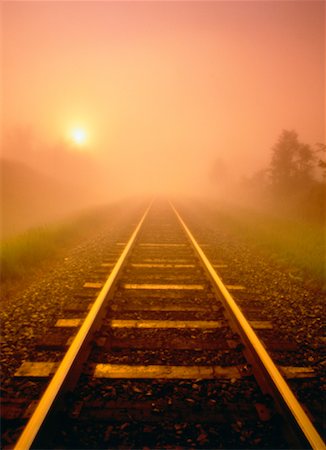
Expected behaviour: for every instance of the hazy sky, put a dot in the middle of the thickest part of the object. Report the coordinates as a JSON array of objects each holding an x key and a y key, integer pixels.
[{"x": 166, "y": 87}]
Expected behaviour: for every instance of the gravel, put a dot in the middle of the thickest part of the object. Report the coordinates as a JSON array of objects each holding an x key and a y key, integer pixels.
[
  {"x": 295, "y": 309},
  {"x": 293, "y": 304},
  {"x": 34, "y": 305}
]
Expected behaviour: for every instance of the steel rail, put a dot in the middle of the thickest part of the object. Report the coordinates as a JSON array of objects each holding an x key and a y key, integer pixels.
[
  {"x": 312, "y": 436},
  {"x": 33, "y": 426}
]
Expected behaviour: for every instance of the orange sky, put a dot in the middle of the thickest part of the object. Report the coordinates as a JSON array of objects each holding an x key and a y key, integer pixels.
[{"x": 166, "y": 82}]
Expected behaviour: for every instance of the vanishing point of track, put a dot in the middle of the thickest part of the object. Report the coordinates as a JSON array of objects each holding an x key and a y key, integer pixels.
[{"x": 164, "y": 315}]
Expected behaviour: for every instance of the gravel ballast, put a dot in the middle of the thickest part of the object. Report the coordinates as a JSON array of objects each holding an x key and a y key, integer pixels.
[
  {"x": 293, "y": 307},
  {"x": 33, "y": 305}
]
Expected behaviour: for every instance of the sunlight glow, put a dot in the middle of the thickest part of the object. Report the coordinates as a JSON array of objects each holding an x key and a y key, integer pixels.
[{"x": 79, "y": 136}]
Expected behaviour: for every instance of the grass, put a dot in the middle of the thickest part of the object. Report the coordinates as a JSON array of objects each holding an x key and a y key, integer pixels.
[
  {"x": 297, "y": 244},
  {"x": 23, "y": 253},
  {"x": 294, "y": 243}
]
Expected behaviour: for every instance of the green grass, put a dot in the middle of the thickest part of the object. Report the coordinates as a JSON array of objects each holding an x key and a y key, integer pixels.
[
  {"x": 298, "y": 245},
  {"x": 21, "y": 254}
]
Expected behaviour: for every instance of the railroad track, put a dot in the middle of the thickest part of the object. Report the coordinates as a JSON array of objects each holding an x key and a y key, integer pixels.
[{"x": 160, "y": 357}]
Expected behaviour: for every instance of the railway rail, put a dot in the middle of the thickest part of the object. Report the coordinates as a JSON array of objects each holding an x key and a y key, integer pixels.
[{"x": 161, "y": 357}]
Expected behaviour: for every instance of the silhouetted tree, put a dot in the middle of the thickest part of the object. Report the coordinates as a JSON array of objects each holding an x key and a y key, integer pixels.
[
  {"x": 282, "y": 167},
  {"x": 321, "y": 162},
  {"x": 322, "y": 165},
  {"x": 305, "y": 163},
  {"x": 292, "y": 163}
]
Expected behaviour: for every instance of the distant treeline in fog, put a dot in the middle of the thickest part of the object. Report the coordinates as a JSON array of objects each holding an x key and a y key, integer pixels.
[
  {"x": 294, "y": 181},
  {"x": 30, "y": 198},
  {"x": 42, "y": 183}
]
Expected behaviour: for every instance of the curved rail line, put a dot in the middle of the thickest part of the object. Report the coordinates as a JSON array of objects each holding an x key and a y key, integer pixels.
[{"x": 285, "y": 399}]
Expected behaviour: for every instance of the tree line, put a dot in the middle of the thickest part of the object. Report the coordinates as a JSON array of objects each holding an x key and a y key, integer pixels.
[
  {"x": 294, "y": 165},
  {"x": 295, "y": 178}
]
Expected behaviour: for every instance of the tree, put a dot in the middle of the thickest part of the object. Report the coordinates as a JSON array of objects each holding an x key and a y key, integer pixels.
[
  {"x": 322, "y": 165},
  {"x": 282, "y": 166},
  {"x": 292, "y": 164},
  {"x": 305, "y": 159},
  {"x": 321, "y": 148}
]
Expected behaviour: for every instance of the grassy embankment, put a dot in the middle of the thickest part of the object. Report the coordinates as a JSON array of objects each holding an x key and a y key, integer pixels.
[
  {"x": 296, "y": 244},
  {"x": 21, "y": 254}
]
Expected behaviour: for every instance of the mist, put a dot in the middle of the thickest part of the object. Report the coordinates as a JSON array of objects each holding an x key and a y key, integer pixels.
[{"x": 175, "y": 98}]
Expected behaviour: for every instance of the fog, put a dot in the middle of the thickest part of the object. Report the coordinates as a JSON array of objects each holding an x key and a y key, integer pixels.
[{"x": 175, "y": 98}]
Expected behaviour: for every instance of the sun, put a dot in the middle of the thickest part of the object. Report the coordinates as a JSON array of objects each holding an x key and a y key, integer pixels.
[{"x": 79, "y": 136}]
